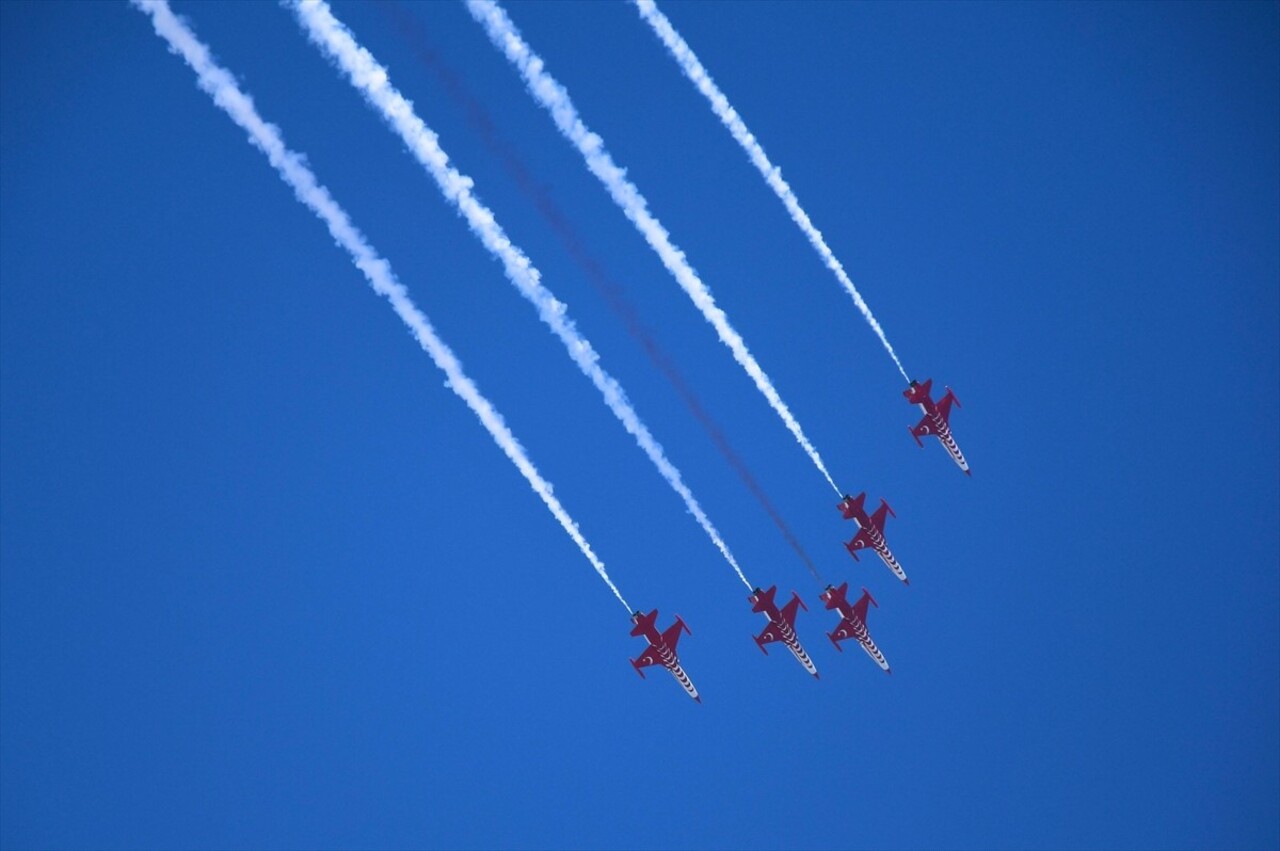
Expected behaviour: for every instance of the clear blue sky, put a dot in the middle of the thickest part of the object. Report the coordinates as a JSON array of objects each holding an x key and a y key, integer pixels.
[{"x": 265, "y": 582}]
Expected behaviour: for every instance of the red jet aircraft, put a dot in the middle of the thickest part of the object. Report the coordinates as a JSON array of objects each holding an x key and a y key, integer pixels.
[
  {"x": 870, "y": 531},
  {"x": 662, "y": 648},
  {"x": 935, "y": 419},
  {"x": 853, "y": 621},
  {"x": 782, "y": 624}
]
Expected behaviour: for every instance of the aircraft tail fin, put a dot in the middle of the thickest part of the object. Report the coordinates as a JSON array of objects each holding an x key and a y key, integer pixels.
[
  {"x": 833, "y": 597},
  {"x": 851, "y": 506},
  {"x": 762, "y": 600},
  {"x": 643, "y": 622},
  {"x": 918, "y": 391}
]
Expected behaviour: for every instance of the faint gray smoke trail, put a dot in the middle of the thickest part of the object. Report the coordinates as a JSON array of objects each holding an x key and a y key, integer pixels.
[
  {"x": 555, "y": 98},
  {"x": 728, "y": 116},
  {"x": 416, "y": 38},
  {"x": 338, "y": 43},
  {"x": 221, "y": 86}
]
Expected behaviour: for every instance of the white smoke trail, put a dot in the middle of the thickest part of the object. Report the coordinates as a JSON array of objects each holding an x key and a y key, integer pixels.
[
  {"x": 555, "y": 98},
  {"x": 728, "y": 116},
  {"x": 337, "y": 42},
  {"x": 221, "y": 86}
]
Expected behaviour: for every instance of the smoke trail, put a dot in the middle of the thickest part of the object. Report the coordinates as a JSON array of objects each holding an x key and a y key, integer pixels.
[
  {"x": 772, "y": 174},
  {"x": 412, "y": 30},
  {"x": 555, "y": 99},
  {"x": 337, "y": 42},
  {"x": 221, "y": 86}
]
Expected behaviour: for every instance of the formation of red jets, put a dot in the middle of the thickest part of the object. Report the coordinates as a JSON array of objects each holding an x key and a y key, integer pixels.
[{"x": 853, "y": 616}]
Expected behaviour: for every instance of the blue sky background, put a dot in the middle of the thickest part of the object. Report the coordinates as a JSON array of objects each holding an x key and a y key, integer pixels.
[{"x": 265, "y": 582}]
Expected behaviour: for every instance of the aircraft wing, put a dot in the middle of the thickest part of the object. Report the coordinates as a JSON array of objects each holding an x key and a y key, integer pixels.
[
  {"x": 860, "y": 608},
  {"x": 647, "y": 658},
  {"x": 846, "y": 629},
  {"x": 925, "y": 427},
  {"x": 788, "y": 611},
  {"x": 944, "y": 405},
  {"x": 771, "y": 634},
  {"x": 861, "y": 541},
  {"x": 878, "y": 518},
  {"x": 672, "y": 635}
]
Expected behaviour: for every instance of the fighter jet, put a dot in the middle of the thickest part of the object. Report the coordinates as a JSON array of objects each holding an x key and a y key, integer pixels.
[
  {"x": 782, "y": 624},
  {"x": 870, "y": 531},
  {"x": 662, "y": 648},
  {"x": 935, "y": 419},
  {"x": 853, "y": 621}
]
